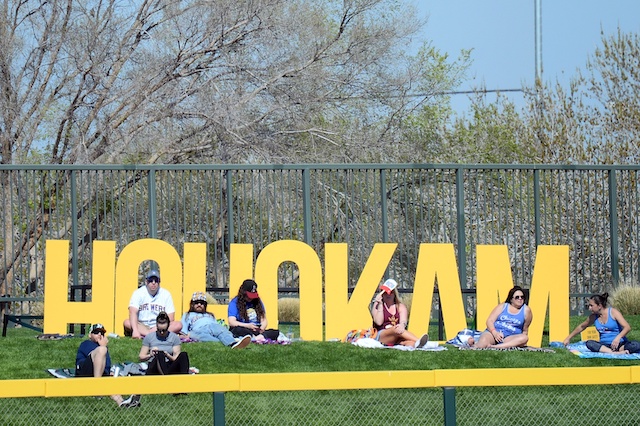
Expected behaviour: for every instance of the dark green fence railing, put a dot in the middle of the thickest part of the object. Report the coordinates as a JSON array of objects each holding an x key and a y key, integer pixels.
[{"x": 593, "y": 209}]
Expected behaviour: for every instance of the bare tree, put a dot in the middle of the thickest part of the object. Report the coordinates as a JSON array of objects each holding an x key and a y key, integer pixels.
[{"x": 174, "y": 81}]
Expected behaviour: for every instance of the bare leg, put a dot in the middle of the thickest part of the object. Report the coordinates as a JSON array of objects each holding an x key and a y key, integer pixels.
[
  {"x": 388, "y": 337},
  {"x": 99, "y": 359},
  {"x": 513, "y": 341},
  {"x": 407, "y": 338},
  {"x": 485, "y": 340}
]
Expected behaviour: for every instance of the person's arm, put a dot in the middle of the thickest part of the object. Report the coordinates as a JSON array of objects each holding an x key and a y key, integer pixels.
[
  {"x": 377, "y": 310},
  {"x": 102, "y": 340},
  {"x": 145, "y": 352},
  {"x": 183, "y": 321},
  {"x": 233, "y": 317},
  {"x": 626, "y": 328},
  {"x": 403, "y": 315},
  {"x": 579, "y": 329},
  {"x": 263, "y": 319},
  {"x": 491, "y": 319},
  {"x": 234, "y": 322},
  {"x": 175, "y": 352},
  {"x": 133, "y": 320},
  {"x": 528, "y": 317}
]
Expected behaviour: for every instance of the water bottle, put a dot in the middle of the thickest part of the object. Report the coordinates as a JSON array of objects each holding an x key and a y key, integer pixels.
[
  {"x": 290, "y": 334},
  {"x": 113, "y": 336}
]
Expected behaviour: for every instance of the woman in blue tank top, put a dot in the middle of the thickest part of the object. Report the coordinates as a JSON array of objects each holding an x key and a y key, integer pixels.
[
  {"x": 508, "y": 323},
  {"x": 611, "y": 325}
]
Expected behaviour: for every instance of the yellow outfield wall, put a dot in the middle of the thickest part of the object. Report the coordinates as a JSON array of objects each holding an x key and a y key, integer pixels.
[{"x": 207, "y": 383}]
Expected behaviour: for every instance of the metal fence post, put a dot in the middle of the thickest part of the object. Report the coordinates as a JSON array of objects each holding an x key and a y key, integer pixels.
[
  {"x": 460, "y": 223},
  {"x": 306, "y": 203},
  {"x": 613, "y": 227},
  {"x": 218, "y": 409},
  {"x": 153, "y": 207},
  {"x": 449, "y": 394}
]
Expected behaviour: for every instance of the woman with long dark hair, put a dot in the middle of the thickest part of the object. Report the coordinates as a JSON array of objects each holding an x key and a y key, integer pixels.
[
  {"x": 611, "y": 325},
  {"x": 508, "y": 323},
  {"x": 246, "y": 314}
]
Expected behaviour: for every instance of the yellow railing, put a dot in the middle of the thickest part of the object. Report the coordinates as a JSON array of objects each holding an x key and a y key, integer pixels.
[{"x": 204, "y": 383}]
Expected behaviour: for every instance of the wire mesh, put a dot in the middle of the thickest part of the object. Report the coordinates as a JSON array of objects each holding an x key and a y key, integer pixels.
[{"x": 512, "y": 406}]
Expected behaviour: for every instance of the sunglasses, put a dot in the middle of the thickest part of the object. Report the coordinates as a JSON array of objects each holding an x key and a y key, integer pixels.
[
  {"x": 98, "y": 332},
  {"x": 153, "y": 280},
  {"x": 518, "y": 297},
  {"x": 199, "y": 302}
]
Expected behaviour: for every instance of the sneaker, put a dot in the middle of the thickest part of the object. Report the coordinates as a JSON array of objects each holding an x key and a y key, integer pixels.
[
  {"x": 132, "y": 401},
  {"x": 423, "y": 341},
  {"x": 242, "y": 343}
]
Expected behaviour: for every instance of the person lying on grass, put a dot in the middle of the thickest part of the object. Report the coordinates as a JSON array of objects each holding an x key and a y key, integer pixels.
[
  {"x": 390, "y": 316},
  {"x": 508, "y": 323},
  {"x": 611, "y": 325}
]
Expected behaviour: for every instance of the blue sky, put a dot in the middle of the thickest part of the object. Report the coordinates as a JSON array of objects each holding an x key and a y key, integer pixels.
[{"x": 502, "y": 36}]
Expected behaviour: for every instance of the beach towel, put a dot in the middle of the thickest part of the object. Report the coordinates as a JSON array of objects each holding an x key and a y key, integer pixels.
[
  {"x": 525, "y": 348},
  {"x": 117, "y": 370},
  {"x": 461, "y": 341},
  {"x": 462, "y": 338},
  {"x": 580, "y": 349},
  {"x": 367, "y": 342}
]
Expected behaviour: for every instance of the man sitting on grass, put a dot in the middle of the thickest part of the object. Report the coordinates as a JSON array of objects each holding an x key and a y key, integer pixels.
[
  {"x": 93, "y": 360},
  {"x": 203, "y": 326}
]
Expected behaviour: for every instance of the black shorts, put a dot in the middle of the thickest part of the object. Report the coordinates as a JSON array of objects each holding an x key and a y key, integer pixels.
[{"x": 85, "y": 368}]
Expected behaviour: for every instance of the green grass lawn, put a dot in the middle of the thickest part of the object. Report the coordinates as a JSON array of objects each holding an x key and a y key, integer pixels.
[{"x": 25, "y": 357}]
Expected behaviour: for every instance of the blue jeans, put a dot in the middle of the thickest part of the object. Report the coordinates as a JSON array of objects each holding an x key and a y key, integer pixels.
[{"x": 213, "y": 332}]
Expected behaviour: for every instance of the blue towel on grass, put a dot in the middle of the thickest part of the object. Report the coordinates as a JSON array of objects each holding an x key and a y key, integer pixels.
[{"x": 580, "y": 349}]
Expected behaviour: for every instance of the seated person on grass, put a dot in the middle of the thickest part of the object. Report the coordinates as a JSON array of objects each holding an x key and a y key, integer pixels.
[
  {"x": 161, "y": 349},
  {"x": 145, "y": 304},
  {"x": 390, "y": 317},
  {"x": 201, "y": 325},
  {"x": 247, "y": 316},
  {"x": 611, "y": 325},
  {"x": 93, "y": 360},
  {"x": 508, "y": 323}
]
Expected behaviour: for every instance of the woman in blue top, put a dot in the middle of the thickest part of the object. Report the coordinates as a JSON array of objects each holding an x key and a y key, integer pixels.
[
  {"x": 247, "y": 316},
  {"x": 508, "y": 323},
  {"x": 611, "y": 325}
]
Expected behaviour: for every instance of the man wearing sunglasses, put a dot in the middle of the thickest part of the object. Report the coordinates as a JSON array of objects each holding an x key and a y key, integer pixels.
[
  {"x": 201, "y": 325},
  {"x": 93, "y": 360},
  {"x": 145, "y": 305}
]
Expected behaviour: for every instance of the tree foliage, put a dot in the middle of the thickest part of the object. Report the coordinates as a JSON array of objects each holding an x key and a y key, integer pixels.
[
  {"x": 596, "y": 119},
  {"x": 207, "y": 81}
]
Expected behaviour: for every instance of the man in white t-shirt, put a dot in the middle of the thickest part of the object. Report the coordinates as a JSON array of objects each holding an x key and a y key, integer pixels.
[{"x": 145, "y": 305}]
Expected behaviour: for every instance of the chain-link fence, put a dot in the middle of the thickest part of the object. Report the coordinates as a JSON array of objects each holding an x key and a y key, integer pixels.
[{"x": 495, "y": 405}]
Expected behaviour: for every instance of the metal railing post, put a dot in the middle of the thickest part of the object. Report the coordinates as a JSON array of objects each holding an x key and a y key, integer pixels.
[
  {"x": 218, "y": 409},
  {"x": 153, "y": 207},
  {"x": 306, "y": 203},
  {"x": 449, "y": 395},
  {"x": 613, "y": 224}
]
